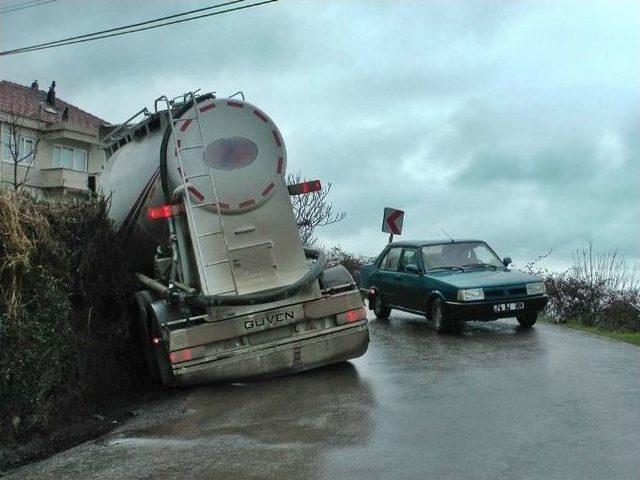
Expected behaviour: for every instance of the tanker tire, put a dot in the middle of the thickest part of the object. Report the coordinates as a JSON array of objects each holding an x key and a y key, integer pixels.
[
  {"x": 162, "y": 369},
  {"x": 146, "y": 344},
  {"x": 165, "y": 372}
]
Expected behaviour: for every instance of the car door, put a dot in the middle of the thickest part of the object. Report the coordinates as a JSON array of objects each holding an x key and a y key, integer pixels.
[
  {"x": 386, "y": 277},
  {"x": 409, "y": 283}
]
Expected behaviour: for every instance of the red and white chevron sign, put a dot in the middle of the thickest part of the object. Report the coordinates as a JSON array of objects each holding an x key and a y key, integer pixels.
[{"x": 392, "y": 221}]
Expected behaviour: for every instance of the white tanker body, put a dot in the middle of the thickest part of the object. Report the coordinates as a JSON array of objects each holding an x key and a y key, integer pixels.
[{"x": 229, "y": 291}]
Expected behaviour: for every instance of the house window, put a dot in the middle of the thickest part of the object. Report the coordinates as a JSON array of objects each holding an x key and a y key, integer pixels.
[
  {"x": 70, "y": 158},
  {"x": 25, "y": 152}
]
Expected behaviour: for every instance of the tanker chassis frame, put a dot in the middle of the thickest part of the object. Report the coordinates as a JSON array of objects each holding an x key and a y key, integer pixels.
[{"x": 183, "y": 350}]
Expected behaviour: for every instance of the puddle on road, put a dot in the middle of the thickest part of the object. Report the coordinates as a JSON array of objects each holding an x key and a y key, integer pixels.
[{"x": 328, "y": 406}]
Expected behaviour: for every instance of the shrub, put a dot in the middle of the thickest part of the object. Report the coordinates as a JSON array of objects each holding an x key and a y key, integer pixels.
[
  {"x": 353, "y": 262},
  {"x": 65, "y": 341},
  {"x": 600, "y": 289}
]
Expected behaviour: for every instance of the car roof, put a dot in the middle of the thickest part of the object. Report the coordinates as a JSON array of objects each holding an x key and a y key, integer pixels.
[{"x": 424, "y": 243}]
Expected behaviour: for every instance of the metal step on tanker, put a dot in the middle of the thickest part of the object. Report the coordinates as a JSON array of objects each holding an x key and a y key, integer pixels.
[{"x": 228, "y": 292}]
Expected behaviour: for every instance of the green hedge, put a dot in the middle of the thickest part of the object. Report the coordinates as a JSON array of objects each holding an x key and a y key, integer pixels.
[{"x": 66, "y": 342}]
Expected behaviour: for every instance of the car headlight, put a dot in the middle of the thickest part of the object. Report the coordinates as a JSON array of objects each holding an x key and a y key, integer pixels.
[
  {"x": 537, "y": 288},
  {"x": 471, "y": 294}
]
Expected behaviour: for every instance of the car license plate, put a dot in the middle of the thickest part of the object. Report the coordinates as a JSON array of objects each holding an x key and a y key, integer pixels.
[{"x": 508, "y": 307}]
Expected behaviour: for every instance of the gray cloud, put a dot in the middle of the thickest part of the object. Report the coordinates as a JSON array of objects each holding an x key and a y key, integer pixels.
[{"x": 511, "y": 121}]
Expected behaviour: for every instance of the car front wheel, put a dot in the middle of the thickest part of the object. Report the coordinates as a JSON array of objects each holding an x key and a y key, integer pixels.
[
  {"x": 441, "y": 321},
  {"x": 380, "y": 308},
  {"x": 527, "y": 320}
]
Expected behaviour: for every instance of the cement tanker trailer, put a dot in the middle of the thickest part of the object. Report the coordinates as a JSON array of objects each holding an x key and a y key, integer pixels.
[{"x": 228, "y": 292}]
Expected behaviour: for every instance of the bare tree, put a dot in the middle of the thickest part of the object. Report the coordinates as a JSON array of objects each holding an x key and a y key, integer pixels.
[
  {"x": 312, "y": 210},
  {"x": 16, "y": 144}
]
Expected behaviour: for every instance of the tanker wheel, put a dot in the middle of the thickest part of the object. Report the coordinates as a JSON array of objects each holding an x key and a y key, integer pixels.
[
  {"x": 162, "y": 369},
  {"x": 144, "y": 335}
]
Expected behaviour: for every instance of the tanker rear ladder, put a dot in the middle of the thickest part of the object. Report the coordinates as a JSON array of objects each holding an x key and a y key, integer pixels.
[{"x": 196, "y": 236}]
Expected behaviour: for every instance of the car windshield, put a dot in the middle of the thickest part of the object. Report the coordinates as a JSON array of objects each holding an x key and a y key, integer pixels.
[{"x": 464, "y": 255}]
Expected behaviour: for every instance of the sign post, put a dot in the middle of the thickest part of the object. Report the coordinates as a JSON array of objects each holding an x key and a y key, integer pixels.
[{"x": 392, "y": 222}]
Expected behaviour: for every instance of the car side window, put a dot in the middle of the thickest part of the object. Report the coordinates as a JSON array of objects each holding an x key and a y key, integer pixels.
[
  {"x": 409, "y": 257},
  {"x": 391, "y": 260}
]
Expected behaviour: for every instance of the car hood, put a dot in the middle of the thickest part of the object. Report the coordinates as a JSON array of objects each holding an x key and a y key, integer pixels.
[{"x": 484, "y": 278}]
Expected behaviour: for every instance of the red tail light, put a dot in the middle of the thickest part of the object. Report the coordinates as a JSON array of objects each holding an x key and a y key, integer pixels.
[
  {"x": 355, "y": 315},
  {"x": 181, "y": 355},
  {"x": 352, "y": 316},
  {"x": 164, "y": 211},
  {"x": 305, "y": 187}
]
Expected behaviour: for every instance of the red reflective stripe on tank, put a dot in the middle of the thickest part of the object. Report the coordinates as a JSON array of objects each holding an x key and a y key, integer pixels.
[
  {"x": 176, "y": 154},
  {"x": 247, "y": 203},
  {"x": 280, "y": 160},
  {"x": 223, "y": 205},
  {"x": 185, "y": 124},
  {"x": 266, "y": 191},
  {"x": 276, "y": 137},
  {"x": 180, "y": 172},
  {"x": 196, "y": 193},
  {"x": 260, "y": 115},
  {"x": 235, "y": 104},
  {"x": 207, "y": 107}
]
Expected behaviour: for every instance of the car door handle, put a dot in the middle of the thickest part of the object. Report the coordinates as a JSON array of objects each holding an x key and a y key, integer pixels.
[{"x": 397, "y": 277}]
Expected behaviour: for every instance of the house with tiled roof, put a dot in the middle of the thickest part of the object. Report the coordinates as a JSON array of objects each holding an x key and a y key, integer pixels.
[{"x": 47, "y": 146}]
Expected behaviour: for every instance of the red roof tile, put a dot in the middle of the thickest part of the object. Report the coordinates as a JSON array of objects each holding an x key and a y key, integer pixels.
[{"x": 22, "y": 100}]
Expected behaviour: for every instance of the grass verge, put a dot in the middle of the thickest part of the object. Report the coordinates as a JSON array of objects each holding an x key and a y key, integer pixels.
[{"x": 623, "y": 336}]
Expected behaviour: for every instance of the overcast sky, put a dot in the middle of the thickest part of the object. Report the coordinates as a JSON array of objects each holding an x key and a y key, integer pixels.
[{"x": 514, "y": 122}]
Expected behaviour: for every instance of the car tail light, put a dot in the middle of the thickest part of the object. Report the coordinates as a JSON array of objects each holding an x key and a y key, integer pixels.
[
  {"x": 181, "y": 355},
  {"x": 305, "y": 187},
  {"x": 164, "y": 211}
]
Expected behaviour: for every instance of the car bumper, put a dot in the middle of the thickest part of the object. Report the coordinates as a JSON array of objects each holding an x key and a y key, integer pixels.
[
  {"x": 485, "y": 310},
  {"x": 344, "y": 343}
]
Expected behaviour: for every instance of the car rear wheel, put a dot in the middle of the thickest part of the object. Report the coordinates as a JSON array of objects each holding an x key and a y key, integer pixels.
[
  {"x": 380, "y": 308},
  {"x": 528, "y": 320}
]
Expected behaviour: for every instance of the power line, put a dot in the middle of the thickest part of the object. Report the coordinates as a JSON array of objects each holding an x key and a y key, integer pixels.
[
  {"x": 22, "y": 6},
  {"x": 97, "y": 36},
  {"x": 124, "y": 27}
]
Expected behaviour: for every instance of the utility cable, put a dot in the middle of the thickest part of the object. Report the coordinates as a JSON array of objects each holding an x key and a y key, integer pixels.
[
  {"x": 22, "y": 6},
  {"x": 117, "y": 32}
]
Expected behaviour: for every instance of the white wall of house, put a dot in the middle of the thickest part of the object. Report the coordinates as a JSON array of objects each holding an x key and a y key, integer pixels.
[{"x": 65, "y": 156}]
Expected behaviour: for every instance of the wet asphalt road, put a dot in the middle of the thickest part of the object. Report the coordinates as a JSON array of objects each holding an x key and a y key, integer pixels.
[{"x": 496, "y": 403}]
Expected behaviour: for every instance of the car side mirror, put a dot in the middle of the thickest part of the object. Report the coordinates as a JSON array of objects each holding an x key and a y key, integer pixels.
[
  {"x": 412, "y": 268},
  {"x": 506, "y": 261}
]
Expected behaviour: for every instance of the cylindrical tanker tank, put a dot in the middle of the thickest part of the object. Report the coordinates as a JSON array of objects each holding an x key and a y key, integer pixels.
[
  {"x": 233, "y": 161},
  {"x": 131, "y": 180}
]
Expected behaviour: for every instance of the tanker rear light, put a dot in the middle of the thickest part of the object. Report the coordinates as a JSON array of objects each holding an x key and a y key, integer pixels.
[
  {"x": 180, "y": 356},
  {"x": 352, "y": 316},
  {"x": 164, "y": 211},
  {"x": 305, "y": 187}
]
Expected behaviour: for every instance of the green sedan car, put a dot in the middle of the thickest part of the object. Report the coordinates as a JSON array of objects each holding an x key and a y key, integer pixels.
[{"x": 451, "y": 282}]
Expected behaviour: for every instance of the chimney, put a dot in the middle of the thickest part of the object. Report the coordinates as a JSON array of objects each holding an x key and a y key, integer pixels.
[
  {"x": 34, "y": 86},
  {"x": 51, "y": 94}
]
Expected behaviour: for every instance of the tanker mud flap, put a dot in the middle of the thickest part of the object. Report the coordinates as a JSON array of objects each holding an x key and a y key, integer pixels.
[{"x": 341, "y": 344}]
